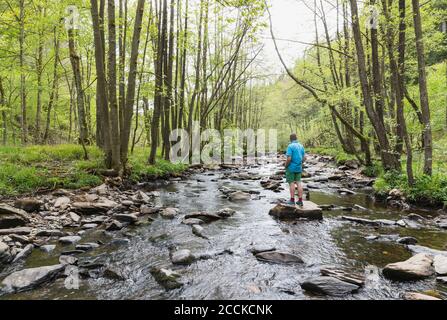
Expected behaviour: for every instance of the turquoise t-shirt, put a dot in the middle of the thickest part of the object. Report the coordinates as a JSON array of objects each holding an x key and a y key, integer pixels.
[{"x": 296, "y": 151}]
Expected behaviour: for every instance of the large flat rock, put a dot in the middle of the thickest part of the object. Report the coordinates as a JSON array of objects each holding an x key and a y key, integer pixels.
[
  {"x": 278, "y": 257},
  {"x": 11, "y": 217},
  {"x": 415, "y": 268},
  {"x": 309, "y": 211},
  {"x": 329, "y": 286},
  {"x": 28, "y": 279}
]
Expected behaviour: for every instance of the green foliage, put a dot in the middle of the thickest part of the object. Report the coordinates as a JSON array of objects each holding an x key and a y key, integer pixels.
[
  {"x": 426, "y": 190},
  {"x": 29, "y": 169},
  {"x": 339, "y": 155},
  {"x": 140, "y": 170}
]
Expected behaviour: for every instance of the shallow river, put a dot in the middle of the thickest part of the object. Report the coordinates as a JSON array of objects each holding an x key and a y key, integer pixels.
[{"x": 240, "y": 275}]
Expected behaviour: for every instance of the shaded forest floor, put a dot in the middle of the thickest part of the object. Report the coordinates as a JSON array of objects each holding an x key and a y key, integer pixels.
[{"x": 43, "y": 168}]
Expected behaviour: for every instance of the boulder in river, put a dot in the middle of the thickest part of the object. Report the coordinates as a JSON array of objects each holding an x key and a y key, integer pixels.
[
  {"x": 329, "y": 286},
  {"x": 309, "y": 211},
  {"x": 239, "y": 196},
  {"x": 114, "y": 225},
  {"x": 129, "y": 218},
  {"x": 11, "y": 217},
  {"x": 24, "y": 253},
  {"x": 415, "y": 249},
  {"x": 19, "y": 231},
  {"x": 169, "y": 213},
  {"x": 28, "y": 279},
  {"x": 261, "y": 248},
  {"x": 199, "y": 231},
  {"x": 192, "y": 221},
  {"x": 440, "y": 265},
  {"x": 204, "y": 216},
  {"x": 415, "y": 268},
  {"x": 89, "y": 208},
  {"x": 69, "y": 239},
  {"x": 356, "y": 279},
  {"x": 407, "y": 240},
  {"x": 182, "y": 257},
  {"x": 166, "y": 278},
  {"x": 28, "y": 204},
  {"x": 5, "y": 254},
  {"x": 418, "y": 296},
  {"x": 62, "y": 202},
  {"x": 278, "y": 257},
  {"x": 226, "y": 213}
]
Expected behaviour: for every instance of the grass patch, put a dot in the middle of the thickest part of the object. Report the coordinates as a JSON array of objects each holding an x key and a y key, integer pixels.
[{"x": 35, "y": 168}]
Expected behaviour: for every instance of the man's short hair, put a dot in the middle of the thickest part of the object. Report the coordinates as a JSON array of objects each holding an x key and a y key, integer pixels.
[{"x": 293, "y": 137}]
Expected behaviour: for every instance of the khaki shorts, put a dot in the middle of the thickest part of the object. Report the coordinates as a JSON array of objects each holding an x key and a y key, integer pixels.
[{"x": 292, "y": 177}]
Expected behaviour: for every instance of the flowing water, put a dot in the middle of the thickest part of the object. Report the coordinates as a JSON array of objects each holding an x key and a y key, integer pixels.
[{"x": 233, "y": 276}]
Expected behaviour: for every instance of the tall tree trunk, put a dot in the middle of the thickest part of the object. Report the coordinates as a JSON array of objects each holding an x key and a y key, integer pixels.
[
  {"x": 425, "y": 108},
  {"x": 130, "y": 97},
  {"x": 113, "y": 103},
  {"x": 75, "y": 64},
  {"x": 102, "y": 115},
  {"x": 53, "y": 93},
  {"x": 23, "y": 121},
  {"x": 389, "y": 161},
  {"x": 2, "y": 107}
]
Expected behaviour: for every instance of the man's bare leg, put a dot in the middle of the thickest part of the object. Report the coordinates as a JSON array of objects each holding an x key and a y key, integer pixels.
[
  {"x": 300, "y": 193},
  {"x": 292, "y": 192}
]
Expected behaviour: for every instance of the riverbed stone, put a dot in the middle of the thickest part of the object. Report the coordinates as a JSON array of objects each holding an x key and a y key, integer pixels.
[
  {"x": 334, "y": 272},
  {"x": 192, "y": 221},
  {"x": 69, "y": 239},
  {"x": 278, "y": 257},
  {"x": 415, "y": 268},
  {"x": 89, "y": 208},
  {"x": 68, "y": 260},
  {"x": 87, "y": 246},
  {"x": 166, "y": 278},
  {"x": 442, "y": 280},
  {"x": 5, "y": 254},
  {"x": 407, "y": 240},
  {"x": 329, "y": 286},
  {"x": 75, "y": 217},
  {"x": 239, "y": 196},
  {"x": 62, "y": 202},
  {"x": 204, "y": 216},
  {"x": 19, "y": 230},
  {"x": 50, "y": 233},
  {"x": 129, "y": 218},
  {"x": 11, "y": 217},
  {"x": 28, "y": 204},
  {"x": 418, "y": 296},
  {"x": 169, "y": 213},
  {"x": 28, "y": 279},
  {"x": 261, "y": 248},
  {"x": 440, "y": 265},
  {"x": 415, "y": 249},
  {"x": 114, "y": 225},
  {"x": 24, "y": 253},
  {"x": 199, "y": 231},
  {"x": 89, "y": 226},
  {"x": 309, "y": 211},
  {"x": 145, "y": 209},
  {"x": 226, "y": 213},
  {"x": 182, "y": 257}
]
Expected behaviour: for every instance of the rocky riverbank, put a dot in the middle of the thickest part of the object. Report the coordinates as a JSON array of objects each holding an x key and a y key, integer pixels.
[{"x": 85, "y": 227}]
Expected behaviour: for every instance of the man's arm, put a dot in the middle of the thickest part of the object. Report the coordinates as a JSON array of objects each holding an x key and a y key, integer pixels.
[{"x": 288, "y": 161}]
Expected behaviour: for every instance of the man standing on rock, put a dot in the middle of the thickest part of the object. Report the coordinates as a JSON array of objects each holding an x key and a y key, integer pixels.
[{"x": 296, "y": 155}]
